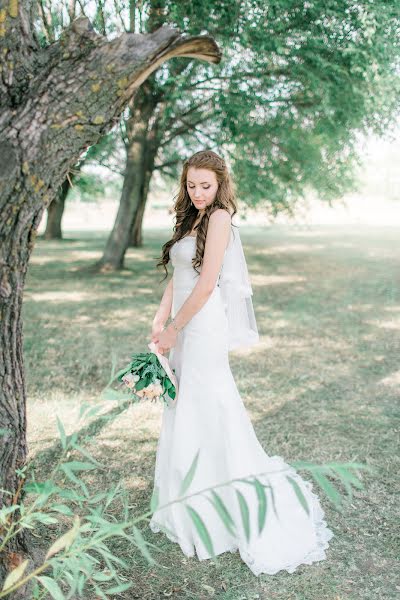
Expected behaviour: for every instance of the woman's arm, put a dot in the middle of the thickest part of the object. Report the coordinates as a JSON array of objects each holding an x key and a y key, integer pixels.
[
  {"x": 164, "y": 310},
  {"x": 218, "y": 232}
]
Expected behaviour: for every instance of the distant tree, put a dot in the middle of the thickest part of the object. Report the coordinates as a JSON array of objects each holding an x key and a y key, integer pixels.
[
  {"x": 89, "y": 187},
  {"x": 299, "y": 82}
]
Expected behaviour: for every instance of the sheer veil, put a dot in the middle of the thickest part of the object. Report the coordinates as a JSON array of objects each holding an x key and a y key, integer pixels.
[{"x": 236, "y": 292}]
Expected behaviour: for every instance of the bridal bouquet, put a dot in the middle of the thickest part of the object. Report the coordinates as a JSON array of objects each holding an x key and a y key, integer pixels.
[{"x": 150, "y": 377}]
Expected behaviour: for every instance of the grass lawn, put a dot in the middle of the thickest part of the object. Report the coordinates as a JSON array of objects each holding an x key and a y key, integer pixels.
[{"x": 322, "y": 385}]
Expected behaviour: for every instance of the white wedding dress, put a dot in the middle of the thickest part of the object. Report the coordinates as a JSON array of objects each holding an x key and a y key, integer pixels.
[{"x": 210, "y": 417}]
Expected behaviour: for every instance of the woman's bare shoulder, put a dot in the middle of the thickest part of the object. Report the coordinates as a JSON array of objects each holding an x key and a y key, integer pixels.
[{"x": 220, "y": 215}]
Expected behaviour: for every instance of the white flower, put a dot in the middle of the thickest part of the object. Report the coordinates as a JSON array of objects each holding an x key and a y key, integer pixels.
[
  {"x": 158, "y": 389},
  {"x": 149, "y": 391}
]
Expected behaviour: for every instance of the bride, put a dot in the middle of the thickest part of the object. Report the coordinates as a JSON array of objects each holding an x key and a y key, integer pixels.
[{"x": 209, "y": 299}]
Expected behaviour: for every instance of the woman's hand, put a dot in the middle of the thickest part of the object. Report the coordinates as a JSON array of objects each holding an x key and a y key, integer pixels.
[
  {"x": 157, "y": 328},
  {"x": 167, "y": 339}
]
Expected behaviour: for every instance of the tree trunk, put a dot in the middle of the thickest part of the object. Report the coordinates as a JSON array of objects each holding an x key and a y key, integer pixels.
[
  {"x": 54, "y": 103},
  {"x": 136, "y": 236},
  {"x": 55, "y": 213},
  {"x": 134, "y": 178}
]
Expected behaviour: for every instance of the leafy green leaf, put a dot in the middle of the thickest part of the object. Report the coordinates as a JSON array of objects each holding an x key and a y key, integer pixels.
[
  {"x": 65, "y": 540},
  {"x": 244, "y": 511},
  {"x": 142, "y": 545},
  {"x": 62, "y": 508},
  {"x": 63, "y": 436},
  {"x": 76, "y": 465},
  {"x": 328, "y": 488},
  {"x": 44, "y": 518},
  {"x": 51, "y": 586},
  {"x": 87, "y": 454},
  {"x": 7, "y": 510},
  {"x": 221, "y": 509},
  {"x": 154, "y": 499},
  {"x": 201, "y": 529},
  {"x": 299, "y": 493},
  {"x": 119, "y": 588},
  {"x": 262, "y": 504},
  {"x": 15, "y": 575},
  {"x": 189, "y": 475}
]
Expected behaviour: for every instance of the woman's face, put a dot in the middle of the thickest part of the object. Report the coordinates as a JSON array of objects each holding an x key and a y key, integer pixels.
[{"x": 202, "y": 187}]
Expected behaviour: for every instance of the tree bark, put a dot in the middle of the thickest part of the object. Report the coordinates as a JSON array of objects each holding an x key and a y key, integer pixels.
[
  {"x": 153, "y": 140},
  {"x": 55, "y": 210},
  {"x": 136, "y": 235},
  {"x": 54, "y": 103}
]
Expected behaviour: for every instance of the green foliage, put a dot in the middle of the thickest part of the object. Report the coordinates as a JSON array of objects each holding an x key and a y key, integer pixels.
[
  {"x": 80, "y": 558},
  {"x": 298, "y": 82}
]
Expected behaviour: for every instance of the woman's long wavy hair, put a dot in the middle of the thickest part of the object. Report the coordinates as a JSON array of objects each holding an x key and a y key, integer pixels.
[{"x": 186, "y": 213}]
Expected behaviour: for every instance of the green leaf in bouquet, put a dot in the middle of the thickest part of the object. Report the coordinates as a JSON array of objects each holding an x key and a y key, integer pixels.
[
  {"x": 121, "y": 373},
  {"x": 140, "y": 384},
  {"x": 147, "y": 380},
  {"x": 140, "y": 356},
  {"x": 172, "y": 393},
  {"x": 138, "y": 366}
]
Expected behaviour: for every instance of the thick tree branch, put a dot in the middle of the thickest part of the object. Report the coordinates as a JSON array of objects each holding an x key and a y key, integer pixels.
[{"x": 79, "y": 93}]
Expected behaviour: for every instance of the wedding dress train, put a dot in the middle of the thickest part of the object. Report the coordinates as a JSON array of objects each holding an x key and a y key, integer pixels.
[{"x": 209, "y": 418}]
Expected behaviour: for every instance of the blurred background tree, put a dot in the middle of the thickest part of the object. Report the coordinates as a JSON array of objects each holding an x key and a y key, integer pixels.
[{"x": 297, "y": 84}]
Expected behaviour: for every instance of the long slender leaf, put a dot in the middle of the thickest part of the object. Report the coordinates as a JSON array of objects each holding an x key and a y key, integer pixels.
[
  {"x": 189, "y": 475},
  {"x": 328, "y": 488},
  {"x": 15, "y": 575},
  {"x": 65, "y": 540},
  {"x": 244, "y": 511},
  {"x": 221, "y": 509},
  {"x": 119, "y": 588},
  {"x": 262, "y": 504},
  {"x": 87, "y": 454},
  {"x": 271, "y": 489},
  {"x": 154, "y": 499},
  {"x": 201, "y": 529},
  {"x": 142, "y": 545},
  {"x": 299, "y": 493},
  {"x": 63, "y": 436},
  {"x": 51, "y": 586}
]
